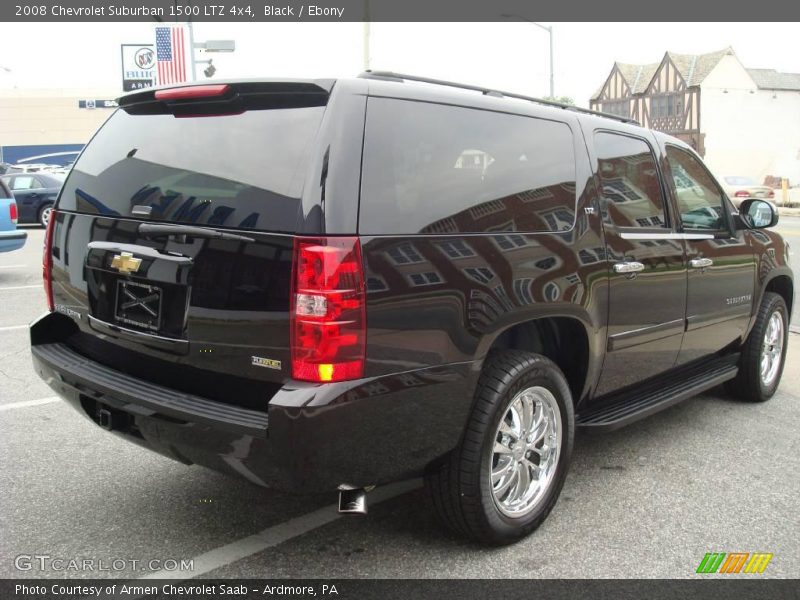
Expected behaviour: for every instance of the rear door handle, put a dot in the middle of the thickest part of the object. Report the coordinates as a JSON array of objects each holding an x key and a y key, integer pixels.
[
  {"x": 628, "y": 267},
  {"x": 700, "y": 263}
]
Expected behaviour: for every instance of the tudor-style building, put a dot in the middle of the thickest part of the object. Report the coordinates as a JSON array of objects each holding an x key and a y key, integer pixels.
[{"x": 743, "y": 121}]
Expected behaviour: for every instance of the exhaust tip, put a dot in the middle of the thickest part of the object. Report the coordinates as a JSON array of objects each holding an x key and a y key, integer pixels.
[{"x": 353, "y": 502}]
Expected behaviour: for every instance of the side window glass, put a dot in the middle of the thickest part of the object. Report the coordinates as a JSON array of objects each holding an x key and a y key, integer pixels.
[
  {"x": 23, "y": 182},
  {"x": 629, "y": 180},
  {"x": 699, "y": 198},
  {"x": 436, "y": 169}
]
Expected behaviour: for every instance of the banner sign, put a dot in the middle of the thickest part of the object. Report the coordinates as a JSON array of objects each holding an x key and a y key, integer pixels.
[{"x": 138, "y": 66}]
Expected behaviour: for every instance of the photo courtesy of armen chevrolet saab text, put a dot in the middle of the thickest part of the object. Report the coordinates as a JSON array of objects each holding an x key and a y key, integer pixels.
[{"x": 330, "y": 285}]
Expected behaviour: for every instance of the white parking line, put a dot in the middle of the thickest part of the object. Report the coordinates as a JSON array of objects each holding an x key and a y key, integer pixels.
[
  {"x": 21, "y": 287},
  {"x": 27, "y": 403},
  {"x": 13, "y": 327},
  {"x": 277, "y": 534},
  {"x": 12, "y": 266}
]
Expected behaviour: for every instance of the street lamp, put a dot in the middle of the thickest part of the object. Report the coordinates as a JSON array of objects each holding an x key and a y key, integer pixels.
[
  {"x": 208, "y": 46},
  {"x": 549, "y": 30}
]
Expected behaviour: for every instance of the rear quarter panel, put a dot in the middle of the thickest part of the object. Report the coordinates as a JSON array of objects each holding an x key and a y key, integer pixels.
[{"x": 457, "y": 319}]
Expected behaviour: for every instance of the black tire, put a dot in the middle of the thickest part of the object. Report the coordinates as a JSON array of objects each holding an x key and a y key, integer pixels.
[
  {"x": 748, "y": 384},
  {"x": 42, "y": 212},
  {"x": 460, "y": 484}
]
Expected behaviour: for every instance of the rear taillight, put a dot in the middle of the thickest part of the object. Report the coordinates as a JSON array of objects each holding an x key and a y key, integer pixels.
[
  {"x": 328, "y": 320},
  {"x": 47, "y": 261},
  {"x": 12, "y": 212},
  {"x": 192, "y": 92},
  {"x": 742, "y": 194},
  {"x": 771, "y": 194}
]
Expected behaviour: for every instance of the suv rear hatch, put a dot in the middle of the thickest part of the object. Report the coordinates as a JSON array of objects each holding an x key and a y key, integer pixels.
[{"x": 172, "y": 249}]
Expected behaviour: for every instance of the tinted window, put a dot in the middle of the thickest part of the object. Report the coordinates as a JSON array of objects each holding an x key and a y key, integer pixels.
[
  {"x": 629, "y": 180},
  {"x": 244, "y": 171},
  {"x": 699, "y": 198},
  {"x": 430, "y": 168},
  {"x": 24, "y": 182}
]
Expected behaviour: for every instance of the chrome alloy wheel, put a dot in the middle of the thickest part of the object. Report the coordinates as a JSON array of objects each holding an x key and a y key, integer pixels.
[
  {"x": 527, "y": 445},
  {"x": 45, "y": 219},
  {"x": 772, "y": 349}
]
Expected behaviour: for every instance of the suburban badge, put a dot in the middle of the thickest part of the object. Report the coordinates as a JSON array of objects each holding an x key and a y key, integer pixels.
[{"x": 269, "y": 363}]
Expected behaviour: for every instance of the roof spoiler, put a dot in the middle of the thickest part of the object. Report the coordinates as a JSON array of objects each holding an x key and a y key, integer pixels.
[{"x": 225, "y": 98}]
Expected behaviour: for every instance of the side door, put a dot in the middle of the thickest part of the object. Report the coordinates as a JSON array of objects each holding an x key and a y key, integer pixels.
[
  {"x": 646, "y": 259},
  {"x": 25, "y": 187},
  {"x": 721, "y": 274}
]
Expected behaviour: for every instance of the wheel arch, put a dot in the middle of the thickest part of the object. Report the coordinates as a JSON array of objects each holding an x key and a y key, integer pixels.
[
  {"x": 781, "y": 284},
  {"x": 563, "y": 339}
]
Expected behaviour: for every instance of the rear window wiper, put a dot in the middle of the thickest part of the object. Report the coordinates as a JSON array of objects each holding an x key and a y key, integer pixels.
[{"x": 153, "y": 230}]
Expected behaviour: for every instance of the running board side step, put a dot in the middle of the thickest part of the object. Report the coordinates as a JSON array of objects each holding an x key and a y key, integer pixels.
[{"x": 620, "y": 409}]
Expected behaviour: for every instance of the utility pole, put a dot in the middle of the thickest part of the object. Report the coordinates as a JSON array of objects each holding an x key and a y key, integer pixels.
[
  {"x": 366, "y": 35},
  {"x": 191, "y": 51},
  {"x": 549, "y": 30}
]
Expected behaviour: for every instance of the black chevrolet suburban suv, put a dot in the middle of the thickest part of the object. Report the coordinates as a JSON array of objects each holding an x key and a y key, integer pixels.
[{"x": 331, "y": 285}]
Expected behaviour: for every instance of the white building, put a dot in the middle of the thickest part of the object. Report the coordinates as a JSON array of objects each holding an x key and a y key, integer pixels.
[{"x": 743, "y": 121}]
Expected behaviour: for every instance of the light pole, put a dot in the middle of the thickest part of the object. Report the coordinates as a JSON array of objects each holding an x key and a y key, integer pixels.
[
  {"x": 209, "y": 46},
  {"x": 549, "y": 30}
]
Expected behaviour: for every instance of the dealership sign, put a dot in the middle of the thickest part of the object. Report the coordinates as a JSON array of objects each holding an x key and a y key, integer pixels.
[
  {"x": 97, "y": 104},
  {"x": 138, "y": 66}
]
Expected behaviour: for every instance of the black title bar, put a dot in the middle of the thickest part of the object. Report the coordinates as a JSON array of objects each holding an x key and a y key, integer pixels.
[
  {"x": 399, "y": 589},
  {"x": 251, "y": 11}
]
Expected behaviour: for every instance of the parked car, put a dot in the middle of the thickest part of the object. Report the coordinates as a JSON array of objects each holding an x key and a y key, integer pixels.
[
  {"x": 388, "y": 277},
  {"x": 10, "y": 237},
  {"x": 739, "y": 188},
  {"x": 35, "y": 193}
]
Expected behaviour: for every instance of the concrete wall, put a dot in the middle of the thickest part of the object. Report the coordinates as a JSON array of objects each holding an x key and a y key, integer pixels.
[
  {"x": 749, "y": 131},
  {"x": 50, "y": 116}
]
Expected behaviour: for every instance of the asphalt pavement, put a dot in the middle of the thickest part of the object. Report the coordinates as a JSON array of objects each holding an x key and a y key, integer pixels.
[{"x": 711, "y": 474}]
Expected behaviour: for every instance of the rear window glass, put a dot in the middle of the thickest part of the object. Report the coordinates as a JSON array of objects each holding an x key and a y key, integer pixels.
[
  {"x": 430, "y": 168},
  {"x": 240, "y": 171}
]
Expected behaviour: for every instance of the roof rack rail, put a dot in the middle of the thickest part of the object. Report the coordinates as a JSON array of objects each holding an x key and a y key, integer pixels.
[{"x": 391, "y": 76}]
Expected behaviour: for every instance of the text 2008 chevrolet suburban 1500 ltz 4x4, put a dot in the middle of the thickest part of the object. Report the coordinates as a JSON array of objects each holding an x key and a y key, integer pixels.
[{"x": 329, "y": 285}]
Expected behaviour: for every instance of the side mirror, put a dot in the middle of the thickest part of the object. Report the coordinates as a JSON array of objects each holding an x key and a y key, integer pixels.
[{"x": 758, "y": 214}]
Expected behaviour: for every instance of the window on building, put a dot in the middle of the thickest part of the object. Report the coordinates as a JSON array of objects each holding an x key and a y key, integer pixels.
[
  {"x": 666, "y": 105},
  {"x": 429, "y": 278},
  {"x": 620, "y": 108},
  {"x": 480, "y": 274},
  {"x": 376, "y": 284},
  {"x": 522, "y": 290},
  {"x": 404, "y": 254},
  {"x": 699, "y": 196},
  {"x": 457, "y": 249},
  {"x": 510, "y": 242},
  {"x": 629, "y": 179}
]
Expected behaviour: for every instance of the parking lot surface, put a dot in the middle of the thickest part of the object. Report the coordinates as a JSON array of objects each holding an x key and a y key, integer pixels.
[{"x": 711, "y": 474}]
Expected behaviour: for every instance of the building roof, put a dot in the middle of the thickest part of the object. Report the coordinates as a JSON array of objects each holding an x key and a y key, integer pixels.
[
  {"x": 694, "y": 68},
  {"x": 770, "y": 79}
]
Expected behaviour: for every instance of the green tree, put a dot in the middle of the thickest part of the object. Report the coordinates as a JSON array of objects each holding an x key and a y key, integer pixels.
[{"x": 560, "y": 99}]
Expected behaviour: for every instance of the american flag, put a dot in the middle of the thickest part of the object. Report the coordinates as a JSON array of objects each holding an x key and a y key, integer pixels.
[{"x": 170, "y": 54}]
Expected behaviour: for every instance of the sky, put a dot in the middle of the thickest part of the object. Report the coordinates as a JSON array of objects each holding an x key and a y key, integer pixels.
[{"x": 511, "y": 56}]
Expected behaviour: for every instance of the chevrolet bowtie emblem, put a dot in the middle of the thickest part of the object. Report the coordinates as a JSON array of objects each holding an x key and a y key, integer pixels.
[{"x": 126, "y": 263}]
